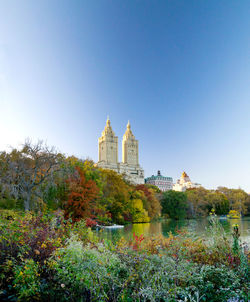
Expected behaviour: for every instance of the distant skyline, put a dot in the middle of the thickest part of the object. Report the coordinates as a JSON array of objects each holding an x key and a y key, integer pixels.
[{"x": 179, "y": 71}]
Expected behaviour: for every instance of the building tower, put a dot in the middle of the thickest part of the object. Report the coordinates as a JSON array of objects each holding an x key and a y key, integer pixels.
[
  {"x": 108, "y": 154},
  {"x": 164, "y": 183},
  {"x": 108, "y": 146},
  {"x": 184, "y": 178},
  {"x": 130, "y": 148},
  {"x": 185, "y": 183}
]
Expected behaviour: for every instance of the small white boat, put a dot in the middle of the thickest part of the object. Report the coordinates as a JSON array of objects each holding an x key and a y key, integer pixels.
[{"x": 114, "y": 226}]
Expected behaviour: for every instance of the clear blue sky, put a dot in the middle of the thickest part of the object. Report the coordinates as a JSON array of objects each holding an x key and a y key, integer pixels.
[{"x": 178, "y": 70}]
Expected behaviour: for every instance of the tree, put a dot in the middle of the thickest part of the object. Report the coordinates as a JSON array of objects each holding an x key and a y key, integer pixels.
[
  {"x": 247, "y": 204},
  {"x": 238, "y": 199},
  {"x": 155, "y": 188},
  {"x": 197, "y": 202},
  {"x": 89, "y": 168},
  {"x": 139, "y": 214},
  {"x": 115, "y": 195},
  {"x": 150, "y": 201},
  {"x": 219, "y": 202},
  {"x": 23, "y": 172},
  {"x": 81, "y": 197},
  {"x": 174, "y": 204}
]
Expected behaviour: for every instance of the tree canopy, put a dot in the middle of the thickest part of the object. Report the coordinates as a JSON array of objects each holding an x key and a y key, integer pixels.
[
  {"x": 174, "y": 204},
  {"x": 36, "y": 177}
]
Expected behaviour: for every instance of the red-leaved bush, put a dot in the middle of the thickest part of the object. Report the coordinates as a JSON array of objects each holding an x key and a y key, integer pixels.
[{"x": 90, "y": 222}]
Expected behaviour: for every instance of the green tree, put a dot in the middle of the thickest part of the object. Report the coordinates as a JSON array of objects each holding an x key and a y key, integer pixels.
[
  {"x": 174, "y": 204},
  {"x": 218, "y": 201},
  {"x": 238, "y": 199},
  {"x": 115, "y": 195},
  {"x": 139, "y": 214},
  {"x": 197, "y": 202}
]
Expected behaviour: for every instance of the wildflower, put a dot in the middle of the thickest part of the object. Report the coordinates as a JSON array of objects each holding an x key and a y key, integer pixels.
[
  {"x": 235, "y": 225},
  {"x": 62, "y": 285}
]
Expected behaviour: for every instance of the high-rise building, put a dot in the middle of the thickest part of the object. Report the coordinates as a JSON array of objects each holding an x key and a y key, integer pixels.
[
  {"x": 164, "y": 183},
  {"x": 108, "y": 148},
  {"x": 108, "y": 154},
  {"x": 130, "y": 148}
]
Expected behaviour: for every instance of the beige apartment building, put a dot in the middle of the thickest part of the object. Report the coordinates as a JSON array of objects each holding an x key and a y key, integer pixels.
[{"x": 108, "y": 154}]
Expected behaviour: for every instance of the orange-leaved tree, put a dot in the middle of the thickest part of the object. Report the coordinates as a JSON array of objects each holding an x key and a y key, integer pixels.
[
  {"x": 81, "y": 197},
  {"x": 151, "y": 202}
]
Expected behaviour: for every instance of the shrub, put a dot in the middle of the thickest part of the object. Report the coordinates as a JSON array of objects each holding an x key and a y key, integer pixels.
[
  {"x": 7, "y": 203},
  {"x": 44, "y": 257},
  {"x": 218, "y": 283},
  {"x": 32, "y": 236},
  {"x": 26, "y": 280},
  {"x": 89, "y": 271}
]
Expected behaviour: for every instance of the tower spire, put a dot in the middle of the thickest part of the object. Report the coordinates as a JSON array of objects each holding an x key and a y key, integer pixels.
[
  {"x": 108, "y": 121},
  {"x": 128, "y": 133},
  {"x": 129, "y": 147},
  {"x": 108, "y": 145}
]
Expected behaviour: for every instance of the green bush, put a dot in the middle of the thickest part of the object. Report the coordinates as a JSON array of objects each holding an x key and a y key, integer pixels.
[
  {"x": 26, "y": 280},
  {"x": 94, "y": 273},
  {"x": 45, "y": 258},
  {"x": 87, "y": 271},
  {"x": 8, "y": 214},
  {"x": 218, "y": 283},
  {"x": 7, "y": 203}
]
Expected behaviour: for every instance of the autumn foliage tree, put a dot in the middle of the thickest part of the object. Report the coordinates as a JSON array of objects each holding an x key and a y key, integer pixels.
[
  {"x": 115, "y": 195},
  {"x": 81, "y": 197},
  {"x": 151, "y": 202},
  {"x": 24, "y": 172},
  {"x": 198, "y": 203},
  {"x": 238, "y": 199}
]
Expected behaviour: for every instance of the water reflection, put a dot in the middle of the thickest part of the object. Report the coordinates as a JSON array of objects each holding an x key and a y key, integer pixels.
[
  {"x": 142, "y": 228},
  {"x": 195, "y": 227}
]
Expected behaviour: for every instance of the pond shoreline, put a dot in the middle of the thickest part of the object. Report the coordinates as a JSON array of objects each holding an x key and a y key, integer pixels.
[
  {"x": 193, "y": 226},
  {"x": 43, "y": 260}
]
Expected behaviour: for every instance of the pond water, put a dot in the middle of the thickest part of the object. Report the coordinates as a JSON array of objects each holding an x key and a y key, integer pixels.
[{"x": 196, "y": 227}]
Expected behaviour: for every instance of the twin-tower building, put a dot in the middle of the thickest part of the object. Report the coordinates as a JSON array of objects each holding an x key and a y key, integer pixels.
[{"x": 108, "y": 154}]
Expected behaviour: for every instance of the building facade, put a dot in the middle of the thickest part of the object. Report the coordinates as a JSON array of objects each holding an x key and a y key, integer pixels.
[
  {"x": 185, "y": 183},
  {"x": 108, "y": 154},
  {"x": 162, "y": 182}
]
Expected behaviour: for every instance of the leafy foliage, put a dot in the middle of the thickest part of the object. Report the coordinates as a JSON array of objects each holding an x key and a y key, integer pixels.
[
  {"x": 48, "y": 258},
  {"x": 24, "y": 171},
  {"x": 26, "y": 280},
  {"x": 238, "y": 199},
  {"x": 151, "y": 202},
  {"x": 201, "y": 201},
  {"x": 36, "y": 177},
  {"x": 174, "y": 204},
  {"x": 82, "y": 194}
]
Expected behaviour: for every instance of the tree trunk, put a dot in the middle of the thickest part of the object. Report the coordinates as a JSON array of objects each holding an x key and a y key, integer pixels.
[{"x": 27, "y": 202}]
